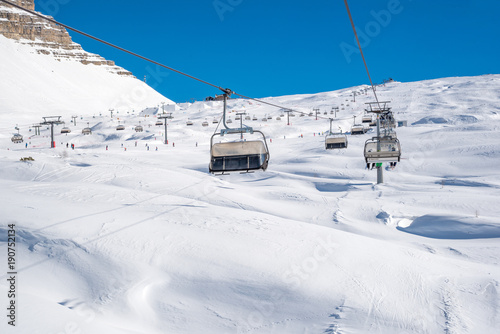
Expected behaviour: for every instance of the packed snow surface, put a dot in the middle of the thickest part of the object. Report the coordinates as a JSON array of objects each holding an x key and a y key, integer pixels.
[{"x": 125, "y": 234}]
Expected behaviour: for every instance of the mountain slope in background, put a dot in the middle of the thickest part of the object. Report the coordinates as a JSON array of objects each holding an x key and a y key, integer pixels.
[{"x": 43, "y": 72}]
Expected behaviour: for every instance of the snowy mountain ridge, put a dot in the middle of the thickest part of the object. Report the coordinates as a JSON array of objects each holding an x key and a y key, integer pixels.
[{"x": 46, "y": 37}]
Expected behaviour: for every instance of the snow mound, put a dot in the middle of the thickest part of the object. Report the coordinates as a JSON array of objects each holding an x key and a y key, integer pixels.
[{"x": 449, "y": 227}]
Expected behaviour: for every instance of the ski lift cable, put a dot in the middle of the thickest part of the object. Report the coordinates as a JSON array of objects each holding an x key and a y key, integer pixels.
[
  {"x": 225, "y": 90},
  {"x": 361, "y": 50}
]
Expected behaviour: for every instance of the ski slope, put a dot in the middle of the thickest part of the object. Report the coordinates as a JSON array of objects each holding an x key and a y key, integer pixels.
[{"x": 135, "y": 240}]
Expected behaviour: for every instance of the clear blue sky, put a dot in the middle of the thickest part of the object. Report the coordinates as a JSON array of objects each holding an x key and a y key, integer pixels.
[{"x": 266, "y": 48}]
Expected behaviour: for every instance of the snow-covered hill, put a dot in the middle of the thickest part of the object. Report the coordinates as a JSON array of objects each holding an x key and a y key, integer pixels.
[
  {"x": 127, "y": 235},
  {"x": 35, "y": 85}
]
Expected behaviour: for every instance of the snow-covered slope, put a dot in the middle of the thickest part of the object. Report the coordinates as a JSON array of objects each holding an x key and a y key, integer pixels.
[
  {"x": 127, "y": 235},
  {"x": 35, "y": 85}
]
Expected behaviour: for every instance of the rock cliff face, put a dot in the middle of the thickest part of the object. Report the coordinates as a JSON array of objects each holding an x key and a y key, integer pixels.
[{"x": 46, "y": 37}]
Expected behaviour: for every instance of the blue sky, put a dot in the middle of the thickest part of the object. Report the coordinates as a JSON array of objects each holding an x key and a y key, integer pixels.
[{"x": 271, "y": 48}]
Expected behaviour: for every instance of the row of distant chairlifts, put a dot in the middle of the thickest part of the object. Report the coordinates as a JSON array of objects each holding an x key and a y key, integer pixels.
[
  {"x": 385, "y": 147},
  {"x": 18, "y": 138}
]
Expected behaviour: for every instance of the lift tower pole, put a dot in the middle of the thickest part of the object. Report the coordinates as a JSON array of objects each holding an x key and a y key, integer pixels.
[
  {"x": 37, "y": 129},
  {"x": 380, "y": 171},
  {"x": 288, "y": 116},
  {"x": 241, "y": 114},
  {"x": 51, "y": 120},
  {"x": 316, "y": 111},
  {"x": 165, "y": 117},
  {"x": 74, "y": 119}
]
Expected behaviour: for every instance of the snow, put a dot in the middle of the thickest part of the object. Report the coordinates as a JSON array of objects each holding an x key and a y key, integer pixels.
[{"x": 146, "y": 241}]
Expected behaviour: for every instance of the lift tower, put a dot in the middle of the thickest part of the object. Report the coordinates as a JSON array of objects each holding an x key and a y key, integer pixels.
[
  {"x": 51, "y": 120},
  {"x": 166, "y": 117}
]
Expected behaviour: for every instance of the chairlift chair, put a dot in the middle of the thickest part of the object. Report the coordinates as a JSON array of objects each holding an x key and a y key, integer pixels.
[
  {"x": 247, "y": 118},
  {"x": 229, "y": 121},
  {"x": 335, "y": 140},
  {"x": 139, "y": 128},
  {"x": 17, "y": 138},
  {"x": 158, "y": 122},
  {"x": 86, "y": 131},
  {"x": 358, "y": 129},
  {"x": 120, "y": 127},
  {"x": 269, "y": 117},
  {"x": 264, "y": 119},
  {"x": 205, "y": 123},
  {"x": 390, "y": 150},
  {"x": 189, "y": 123},
  {"x": 278, "y": 118},
  {"x": 238, "y": 156},
  {"x": 215, "y": 121},
  {"x": 238, "y": 117},
  {"x": 367, "y": 119},
  {"x": 254, "y": 118},
  {"x": 65, "y": 130}
]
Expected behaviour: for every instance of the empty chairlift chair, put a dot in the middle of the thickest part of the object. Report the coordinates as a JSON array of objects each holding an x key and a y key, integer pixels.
[
  {"x": 65, "y": 130},
  {"x": 358, "y": 129},
  {"x": 139, "y": 128},
  {"x": 390, "y": 150},
  {"x": 247, "y": 118},
  {"x": 335, "y": 140},
  {"x": 238, "y": 156},
  {"x": 367, "y": 119},
  {"x": 233, "y": 153},
  {"x": 205, "y": 123},
  {"x": 189, "y": 123},
  {"x": 120, "y": 127},
  {"x": 86, "y": 131},
  {"x": 159, "y": 122}
]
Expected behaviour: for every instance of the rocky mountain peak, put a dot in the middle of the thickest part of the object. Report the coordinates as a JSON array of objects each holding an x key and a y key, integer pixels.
[{"x": 46, "y": 37}]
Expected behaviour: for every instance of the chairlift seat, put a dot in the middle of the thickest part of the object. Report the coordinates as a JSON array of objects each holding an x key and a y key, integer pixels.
[
  {"x": 238, "y": 156},
  {"x": 120, "y": 127},
  {"x": 159, "y": 123},
  {"x": 204, "y": 123},
  {"x": 17, "y": 138},
  {"x": 390, "y": 150},
  {"x": 65, "y": 130},
  {"x": 87, "y": 131},
  {"x": 358, "y": 129},
  {"x": 336, "y": 140},
  {"x": 367, "y": 119}
]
